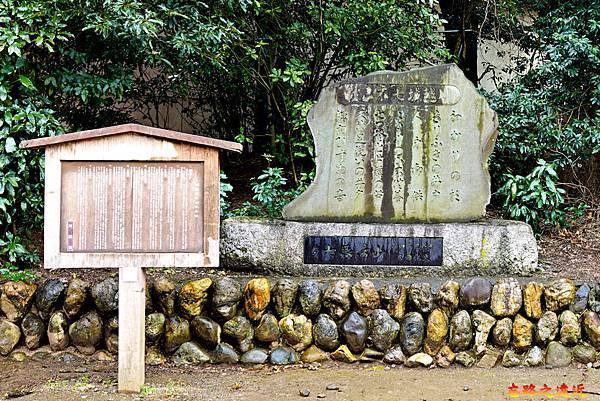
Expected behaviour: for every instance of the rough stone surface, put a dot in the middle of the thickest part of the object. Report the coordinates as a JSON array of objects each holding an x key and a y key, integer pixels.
[
  {"x": 445, "y": 357},
  {"x": 447, "y": 296},
  {"x": 559, "y": 294},
  {"x": 570, "y": 331},
  {"x": 482, "y": 323},
  {"x": 534, "y": 357},
  {"x": 475, "y": 292},
  {"x": 412, "y": 333},
  {"x": 336, "y": 299},
  {"x": 111, "y": 335},
  {"x": 296, "y": 330},
  {"x": 9, "y": 336},
  {"x": 177, "y": 332},
  {"x": 283, "y": 356},
  {"x": 365, "y": 296},
  {"x": 34, "y": 330},
  {"x": 240, "y": 331},
  {"x": 190, "y": 353},
  {"x": 393, "y": 298},
  {"x": 489, "y": 359},
  {"x": 532, "y": 300},
  {"x": 581, "y": 300},
  {"x": 547, "y": 327},
  {"x": 507, "y": 297},
  {"x": 421, "y": 297},
  {"x": 343, "y": 354},
  {"x": 383, "y": 329},
  {"x": 105, "y": 295},
  {"x": 206, "y": 330},
  {"x": 86, "y": 333},
  {"x": 419, "y": 359},
  {"x": 267, "y": 330},
  {"x": 255, "y": 356},
  {"x": 224, "y": 353},
  {"x": 76, "y": 297},
  {"x": 591, "y": 327},
  {"x": 355, "y": 332},
  {"x": 155, "y": 357},
  {"x": 394, "y": 356},
  {"x": 379, "y": 335},
  {"x": 557, "y": 355},
  {"x": 49, "y": 296},
  {"x": 257, "y": 295},
  {"x": 465, "y": 358},
  {"x": 58, "y": 336},
  {"x": 314, "y": 354},
  {"x": 278, "y": 247},
  {"x": 227, "y": 294},
  {"x": 164, "y": 292},
  {"x": 310, "y": 296},
  {"x": 16, "y": 298},
  {"x": 325, "y": 333},
  {"x": 511, "y": 359},
  {"x": 502, "y": 332},
  {"x": 584, "y": 353},
  {"x": 371, "y": 355},
  {"x": 437, "y": 330},
  {"x": 284, "y": 295},
  {"x": 594, "y": 298},
  {"x": 523, "y": 331},
  {"x": 461, "y": 331},
  {"x": 155, "y": 327},
  {"x": 455, "y": 114},
  {"x": 193, "y": 297}
]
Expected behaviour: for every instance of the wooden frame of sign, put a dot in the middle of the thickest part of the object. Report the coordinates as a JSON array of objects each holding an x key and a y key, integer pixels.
[{"x": 130, "y": 197}]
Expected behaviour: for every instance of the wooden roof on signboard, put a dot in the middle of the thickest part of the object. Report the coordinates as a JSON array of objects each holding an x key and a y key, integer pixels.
[{"x": 132, "y": 128}]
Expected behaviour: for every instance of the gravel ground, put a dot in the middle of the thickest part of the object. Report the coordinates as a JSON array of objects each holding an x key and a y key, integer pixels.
[{"x": 44, "y": 381}]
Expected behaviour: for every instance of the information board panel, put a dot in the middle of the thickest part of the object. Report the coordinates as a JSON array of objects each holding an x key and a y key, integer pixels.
[{"x": 131, "y": 207}]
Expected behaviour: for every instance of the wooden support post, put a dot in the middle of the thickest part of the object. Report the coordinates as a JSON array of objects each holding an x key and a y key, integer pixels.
[{"x": 132, "y": 304}]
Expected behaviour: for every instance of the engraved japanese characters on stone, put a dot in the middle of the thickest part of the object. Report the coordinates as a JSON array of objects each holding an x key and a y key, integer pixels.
[
  {"x": 373, "y": 250},
  {"x": 389, "y": 93},
  {"x": 409, "y": 146}
]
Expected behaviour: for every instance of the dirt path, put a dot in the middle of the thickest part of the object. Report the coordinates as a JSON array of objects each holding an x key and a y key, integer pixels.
[{"x": 97, "y": 381}]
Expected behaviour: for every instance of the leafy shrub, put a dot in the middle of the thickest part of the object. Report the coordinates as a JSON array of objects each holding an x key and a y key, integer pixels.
[
  {"x": 549, "y": 121},
  {"x": 271, "y": 194},
  {"x": 536, "y": 198}
]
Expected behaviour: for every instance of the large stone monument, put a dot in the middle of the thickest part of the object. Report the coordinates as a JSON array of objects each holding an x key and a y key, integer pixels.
[
  {"x": 402, "y": 181},
  {"x": 396, "y": 146}
]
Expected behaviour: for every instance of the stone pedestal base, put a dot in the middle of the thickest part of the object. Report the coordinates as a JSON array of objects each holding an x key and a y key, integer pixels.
[{"x": 486, "y": 247}]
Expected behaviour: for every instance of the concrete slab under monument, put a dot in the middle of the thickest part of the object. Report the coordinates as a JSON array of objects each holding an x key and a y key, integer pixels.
[
  {"x": 489, "y": 247},
  {"x": 401, "y": 187}
]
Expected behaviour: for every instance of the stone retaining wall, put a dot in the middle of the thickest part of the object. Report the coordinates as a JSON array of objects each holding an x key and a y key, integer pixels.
[{"x": 283, "y": 321}]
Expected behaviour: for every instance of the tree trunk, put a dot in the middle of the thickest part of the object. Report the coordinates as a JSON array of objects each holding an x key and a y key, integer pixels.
[{"x": 461, "y": 34}]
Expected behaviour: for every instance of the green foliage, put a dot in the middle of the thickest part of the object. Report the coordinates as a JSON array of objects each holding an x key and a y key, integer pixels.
[
  {"x": 290, "y": 50},
  {"x": 78, "y": 65},
  {"x": 224, "y": 189},
  {"x": 535, "y": 198},
  {"x": 13, "y": 251},
  {"x": 549, "y": 113},
  {"x": 247, "y": 67},
  {"x": 25, "y": 113},
  {"x": 271, "y": 194}
]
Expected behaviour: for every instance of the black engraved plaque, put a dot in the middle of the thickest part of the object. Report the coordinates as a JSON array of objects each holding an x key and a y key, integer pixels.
[{"x": 393, "y": 251}]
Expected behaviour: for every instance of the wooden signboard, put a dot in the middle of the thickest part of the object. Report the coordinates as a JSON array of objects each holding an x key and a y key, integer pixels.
[{"x": 130, "y": 197}]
